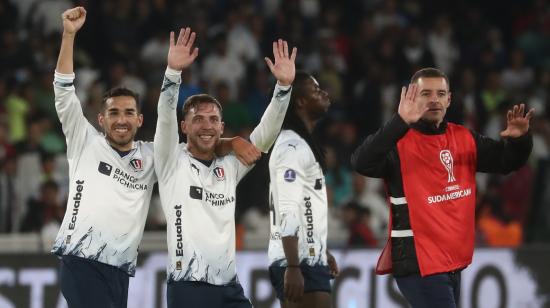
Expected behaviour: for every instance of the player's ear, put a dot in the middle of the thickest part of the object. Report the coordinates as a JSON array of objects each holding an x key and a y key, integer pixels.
[
  {"x": 100, "y": 119},
  {"x": 449, "y": 100},
  {"x": 223, "y": 126},
  {"x": 183, "y": 126},
  {"x": 140, "y": 120}
]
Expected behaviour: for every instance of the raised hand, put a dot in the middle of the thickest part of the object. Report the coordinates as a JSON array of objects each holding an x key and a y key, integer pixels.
[
  {"x": 409, "y": 110},
  {"x": 284, "y": 68},
  {"x": 181, "y": 53},
  {"x": 517, "y": 122},
  {"x": 73, "y": 19}
]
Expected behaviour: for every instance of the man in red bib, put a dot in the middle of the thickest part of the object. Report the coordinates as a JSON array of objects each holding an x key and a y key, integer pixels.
[{"x": 429, "y": 167}]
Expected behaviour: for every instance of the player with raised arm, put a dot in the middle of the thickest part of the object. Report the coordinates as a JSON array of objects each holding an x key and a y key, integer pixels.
[
  {"x": 111, "y": 182},
  {"x": 300, "y": 264},
  {"x": 197, "y": 188}
]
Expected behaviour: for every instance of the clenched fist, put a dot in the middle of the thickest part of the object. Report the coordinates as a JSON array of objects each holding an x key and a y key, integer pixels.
[{"x": 73, "y": 19}]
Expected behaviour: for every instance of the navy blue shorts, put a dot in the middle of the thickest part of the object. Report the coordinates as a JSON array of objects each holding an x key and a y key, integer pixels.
[
  {"x": 87, "y": 283},
  {"x": 316, "y": 278},
  {"x": 202, "y": 294},
  {"x": 439, "y": 290}
]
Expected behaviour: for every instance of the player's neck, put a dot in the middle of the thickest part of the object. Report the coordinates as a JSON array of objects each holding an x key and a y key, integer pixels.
[
  {"x": 121, "y": 148},
  {"x": 206, "y": 156},
  {"x": 309, "y": 123}
]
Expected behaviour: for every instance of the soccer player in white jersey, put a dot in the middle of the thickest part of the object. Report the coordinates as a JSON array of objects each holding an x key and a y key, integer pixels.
[
  {"x": 197, "y": 188},
  {"x": 301, "y": 266},
  {"x": 112, "y": 179}
]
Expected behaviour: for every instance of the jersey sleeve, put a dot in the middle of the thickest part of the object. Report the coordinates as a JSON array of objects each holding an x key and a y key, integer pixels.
[
  {"x": 166, "y": 134},
  {"x": 69, "y": 110},
  {"x": 264, "y": 134},
  {"x": 288, "y": 162}
]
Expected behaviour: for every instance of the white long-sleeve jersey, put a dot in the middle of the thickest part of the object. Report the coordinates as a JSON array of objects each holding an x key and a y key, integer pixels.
[
  {"x": 109, "y": 195},
  {"x": 199, "y": 201},
  {"x": 298, "y": 201}
]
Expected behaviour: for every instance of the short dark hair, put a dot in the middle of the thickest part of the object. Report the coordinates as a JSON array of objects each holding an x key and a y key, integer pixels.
[
  {"x": 429, "y": 72},
  {"x": 194, "y": 101},
  {"x": 119, "y": 91}
]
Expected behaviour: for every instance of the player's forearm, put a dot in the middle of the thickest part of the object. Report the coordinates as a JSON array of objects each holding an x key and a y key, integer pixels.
[
  {"x": 225, "y": 146},
  {"x": 290, "y": 247},
  {"x": 268, "y": 129},
  {"x": 502, "y": 156},
  {"x": 370, "y": 158},
  {"x": 166, "y": 134},
  {"x": 65, "y": 58}
]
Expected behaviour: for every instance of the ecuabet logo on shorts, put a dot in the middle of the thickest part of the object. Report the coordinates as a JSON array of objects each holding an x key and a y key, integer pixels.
[
  {"x": 290, "y": 175},
  {"x": 219, "y": 173},
  {"x": 137, "y": 164}
]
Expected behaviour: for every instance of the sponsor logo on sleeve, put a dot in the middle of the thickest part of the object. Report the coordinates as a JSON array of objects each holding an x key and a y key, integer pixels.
[
  {"x": 318, "y": 184},
  {"x": 290, "y": 175}
]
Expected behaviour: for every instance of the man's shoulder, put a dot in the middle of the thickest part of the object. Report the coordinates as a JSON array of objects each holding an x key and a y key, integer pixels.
[
  {"x": 291, "y": 147},
  {"x": 290, "y": 140},
  {"x": 458, "y": 128},
  {"x": 146, "y": 147}
]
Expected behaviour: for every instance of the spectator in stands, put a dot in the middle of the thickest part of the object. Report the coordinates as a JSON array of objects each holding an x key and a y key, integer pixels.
[
  {"x": 44, "y": 210},
  {"x": 357, "y": 217}
]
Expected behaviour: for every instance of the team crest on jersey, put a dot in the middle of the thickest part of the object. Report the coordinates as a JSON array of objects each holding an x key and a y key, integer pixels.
[
  {"x": 219, "y": 173},
  {"x": 137, "y": 164},
  {"x": 290, "y": 175}
]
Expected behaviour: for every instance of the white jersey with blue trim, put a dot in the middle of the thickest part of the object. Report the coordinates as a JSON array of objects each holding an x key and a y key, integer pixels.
[
  {"x": 199, "y": 200},
  {"x": 109, "y": 195},
  {"x": 298, "y": 201}
]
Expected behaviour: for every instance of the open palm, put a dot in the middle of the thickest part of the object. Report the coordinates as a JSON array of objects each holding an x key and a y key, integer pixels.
[
  {"x": 182, "y": 53},
  {"x": 284, "y": 68},
  {"x": 410, "y": 110},
  {"x": 517, "y": 123}
]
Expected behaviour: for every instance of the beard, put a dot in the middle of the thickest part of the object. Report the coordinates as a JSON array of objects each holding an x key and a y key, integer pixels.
[{"x": 120, "y": 141}]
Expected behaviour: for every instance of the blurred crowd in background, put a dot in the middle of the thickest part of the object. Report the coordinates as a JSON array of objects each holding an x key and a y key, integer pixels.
[{"x": 361, "y": 51}]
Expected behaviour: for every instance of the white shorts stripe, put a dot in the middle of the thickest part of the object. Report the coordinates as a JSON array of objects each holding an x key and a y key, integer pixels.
[
  {"x": 401, "y": 233},
  {"x": 398, "y": 201}
]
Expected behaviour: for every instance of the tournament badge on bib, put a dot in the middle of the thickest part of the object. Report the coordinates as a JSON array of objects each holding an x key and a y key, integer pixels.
[
  {"x": 219, "y": 173},
  {"x": 137, "y": 164}
]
